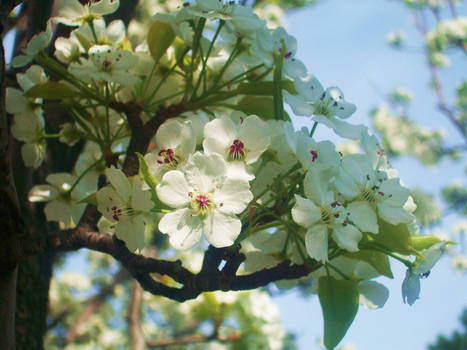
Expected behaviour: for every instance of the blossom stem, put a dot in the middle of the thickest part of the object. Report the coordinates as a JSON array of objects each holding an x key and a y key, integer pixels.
[
  {"x": 343, "y": 275},
  {"x": 51, "y": 136},
  {"x": 202, "y": 74},
  {"x": 313, "y": 129},
  {"x": 164, "y": 78},
  {"x": 232, "y": 56},
  {"x": 278, "y": 98},
  {"x": 80, "y": 177},
  {"x": 194, "y": 50},
  {"x": 93, "y": 30},
  {"x": 373, "y": 246}
]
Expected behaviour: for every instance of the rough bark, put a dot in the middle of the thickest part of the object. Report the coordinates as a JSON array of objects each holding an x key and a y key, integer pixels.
[{"x": 10, "y": 219}]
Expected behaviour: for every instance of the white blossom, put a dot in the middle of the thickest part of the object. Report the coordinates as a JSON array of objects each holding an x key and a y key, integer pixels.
[{"x": 206, "y": 201}]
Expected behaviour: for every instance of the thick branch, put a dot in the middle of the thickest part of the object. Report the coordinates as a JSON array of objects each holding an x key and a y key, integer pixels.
[{"x": 141, "y": 267}]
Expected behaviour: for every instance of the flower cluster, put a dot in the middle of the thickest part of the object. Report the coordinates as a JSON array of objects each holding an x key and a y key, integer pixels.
[{"x": 225, "y": 161}]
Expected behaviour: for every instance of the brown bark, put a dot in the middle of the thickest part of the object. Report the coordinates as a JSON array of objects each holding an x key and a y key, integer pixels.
[
  {"x": 10, "y": 219},
  {"x": 137, "y": 340}
]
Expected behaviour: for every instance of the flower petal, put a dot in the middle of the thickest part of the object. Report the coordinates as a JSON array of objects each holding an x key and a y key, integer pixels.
[
  {"x": 363, "y": 216},
  {"x": 174, "y": 190},
  {"x": 184, "y": 228},
  {"x": 305, "y": 212},
  {"x": 347, "y": 237},
  {"x": 221, "y": 229},
  {"x": 316, "y": 242},
  {"x": 233, "y": 197}
]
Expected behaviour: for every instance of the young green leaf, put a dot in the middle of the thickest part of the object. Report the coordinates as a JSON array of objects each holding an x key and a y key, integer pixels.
[
  {"x": 160, "y": 37},
  {"x": 339, "y": 302},
  {"x": 263, "y": 88},
  {"x": 395, "y": 238},
  {"x": 146, "y": 174},
  {"x": 379, "y": 261},
  {"x": 424, "y": 242},
  {"x": 51, "y": 90}
]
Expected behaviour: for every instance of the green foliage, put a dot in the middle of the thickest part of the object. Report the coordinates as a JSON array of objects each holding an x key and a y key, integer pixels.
[
  {"x": 339, "y": 301},
  {"x": 427, "y": 212},
  {"x": 456, "y": 197},
  {"x": 160, "y": 37},
  {"x": 378, "y": 260},
  {"x": 396, "y": 238},
  {"x": 457, "y": 340},
  {"x": 51, "y": 90}
]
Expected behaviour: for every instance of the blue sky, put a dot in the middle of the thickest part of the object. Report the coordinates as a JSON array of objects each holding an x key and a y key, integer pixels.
[{"x": 343, "y": 44}]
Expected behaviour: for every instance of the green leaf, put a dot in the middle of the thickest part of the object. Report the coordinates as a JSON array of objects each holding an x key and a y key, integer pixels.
[
  {"x": 423, "y": 242},
  {"x": 426, "y": 241},
  {"x": 261, "y": 106},
  {"x": 146, "y": 173},
  {"x": 51, "y": 90},
  {"x": 91, "y": 199},
  {"x": 395, "y": 238},
  {"x": 160, "y": 37},
  {"x": 379, "y": 261},
  {"x": 264, "y": 88},
  {"x": 339, "y": 302}
]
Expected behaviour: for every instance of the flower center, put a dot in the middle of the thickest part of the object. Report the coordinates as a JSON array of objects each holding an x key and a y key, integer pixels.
[
  {"x": 168, "y": 158},
  {"x": 201, "y": 203},
  {"x": 119, "y": 211},
  {"x": 314, "y": 155},
  {"x": 237, "y": 150}
]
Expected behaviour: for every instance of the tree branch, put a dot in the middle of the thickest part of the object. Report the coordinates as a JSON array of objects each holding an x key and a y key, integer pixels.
[
  {"x": 94, "y": 303},
  {"x": 442, "y": 105},
  {"x": 134, "y": 319}
]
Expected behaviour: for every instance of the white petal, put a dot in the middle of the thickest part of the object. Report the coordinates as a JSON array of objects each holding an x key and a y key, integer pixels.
[
  {"x": 394, "y": 215},
  {"x": 205, "y": 172},
  {"x": 299, "y": 106},
  {"x": 347, "y": 130},
  {"x": 42, "y": 193},
  {"x": 305, "y": 212},
  {"x": 316, "y": 241},
  {"x": 316, "y": 185},
  {"x": 174, "y": 190},
  {"x": 211, "y": 145},
  {"x": 410, "y": 288},
  {"x": 104, "y": 7},
  {"x": 294, "y": 68},
  {"x": 141, "y": 200},
  {"x": 233, "y": 197},
  {"x": 119, "y": 181},
  {"x": 309, "y": 87},
  {"x": 221, "y": 229},
  {"x": 363, "y": 216},
  {"x": 373, "y": 295},
  {"x": 131, "y": 232},
  {"x": 398, "y": 194},
  {"x": 254, "y": 133},
  {"x": 347, "y": 237},
  {"x": 62, "y": 181},
  {"x": 222, "y": 129},
  {"x": 184, "y": 229},
  {"x": 33, "y": 154}
]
